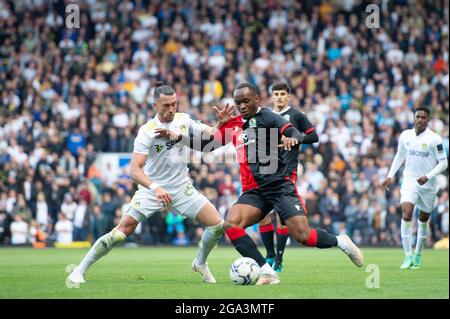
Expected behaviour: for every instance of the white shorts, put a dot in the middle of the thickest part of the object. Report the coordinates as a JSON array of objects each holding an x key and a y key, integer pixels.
[
  {"x": 423, "y": 198},
  {"x": 186, "y": 200}
]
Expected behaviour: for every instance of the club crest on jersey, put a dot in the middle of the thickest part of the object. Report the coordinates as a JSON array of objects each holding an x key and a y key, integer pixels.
[
  {"x": 287, "y": 117},
  {"x": 159, "y": 148},
  {"x": 252, "y": 123},
  {"x": 183, "y": 129},
  {"x": 243, "y": 138},
  {"x": 189, "y": 190},
  {"x": 424, "y": 146}
]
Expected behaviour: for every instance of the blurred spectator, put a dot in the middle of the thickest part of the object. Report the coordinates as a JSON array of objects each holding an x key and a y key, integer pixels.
[
  {"x": 19, "y": 231},
  {"x": 64, "y": 230},
  {"x": 79, "y": 221},
  {"x": 69, "y": 207},
  {"x": 175, "y": 229}
]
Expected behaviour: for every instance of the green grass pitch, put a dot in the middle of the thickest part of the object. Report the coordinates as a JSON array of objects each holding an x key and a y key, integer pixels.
[{"x": 165, "y": 272}]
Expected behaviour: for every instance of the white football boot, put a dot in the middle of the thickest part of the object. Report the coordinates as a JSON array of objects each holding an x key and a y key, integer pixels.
[
  {"x": 76, "y": 277},
  {"x": 204, "y": 270},
  {"x": 353, "y": 252}
]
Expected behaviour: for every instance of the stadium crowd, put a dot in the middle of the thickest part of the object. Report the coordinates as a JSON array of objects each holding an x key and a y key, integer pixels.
[{"x": 69, "y": 94}]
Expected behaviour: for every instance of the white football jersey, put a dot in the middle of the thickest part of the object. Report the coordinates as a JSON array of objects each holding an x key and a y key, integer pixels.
[
  {"x": 166, "y": 163},
  {"x": 422, "y": 154}
]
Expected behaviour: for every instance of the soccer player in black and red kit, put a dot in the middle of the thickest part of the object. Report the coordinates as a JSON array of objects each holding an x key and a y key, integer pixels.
[
  {"x": 280, "y": 93},
  {"x": 266, "y": 187},
  {"x": 266, "y": 179}
]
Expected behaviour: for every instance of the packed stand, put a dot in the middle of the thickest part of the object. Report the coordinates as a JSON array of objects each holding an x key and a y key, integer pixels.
[{"x": 70, "y": 94}]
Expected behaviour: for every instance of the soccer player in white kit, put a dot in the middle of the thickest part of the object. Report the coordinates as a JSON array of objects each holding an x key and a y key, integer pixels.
[
  {"x": 163, "y": 183},
  {"x": 425, "y": 159}
]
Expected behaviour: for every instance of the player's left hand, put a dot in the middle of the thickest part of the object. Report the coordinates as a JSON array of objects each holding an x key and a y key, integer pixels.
[
  {"x": 422, "y": 180},
  {"x": 225, "y": 114},
  {"x": 288, "y": 142},
  {"x": 162, "y": 132}
]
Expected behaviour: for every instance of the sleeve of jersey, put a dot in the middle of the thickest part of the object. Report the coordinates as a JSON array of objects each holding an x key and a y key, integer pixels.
[
  {"x": 399, "y": 157},
  {"x": 196, "y": 127},
  {"x": 223, "y": 135},
  {"x": 304, "y": 124},
  {"x": 307, "y": 128},
  {"x": 142, "y": 143},
  {"x": 441, "y": 156}
]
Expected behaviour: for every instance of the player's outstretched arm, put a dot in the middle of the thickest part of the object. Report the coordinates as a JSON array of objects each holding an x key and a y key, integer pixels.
[
  {"x": 203, "y": 142},
  {"x": 137, "y": 174},
  {"x": 439, "y": 152},
  {"x": 396, "y": 164}
]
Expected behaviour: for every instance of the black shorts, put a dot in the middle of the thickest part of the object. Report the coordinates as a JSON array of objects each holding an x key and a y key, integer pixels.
[{"x": 282, "y": 196}]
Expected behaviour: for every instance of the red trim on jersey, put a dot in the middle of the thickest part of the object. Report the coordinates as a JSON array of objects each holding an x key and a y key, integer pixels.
[
  {"x": 266, "y": 228},
  {"x": 294, "y": 176},
  {"x": 284, "y": 127},
  {"x": 235, "y": 232},
  {"x": 247, "y": 178},
  {"x": 296, "y": 191},
  {"x": 282, "y": 231},
  {"x": 312, "y": 239},
  {"x": 309, "y": 130},
  {"x": 234, "y": 130}
]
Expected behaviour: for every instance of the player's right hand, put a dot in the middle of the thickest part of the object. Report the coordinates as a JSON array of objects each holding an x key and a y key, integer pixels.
[
  {"x": 163, "y": 197},
  {"x": 388, "y": 182}
]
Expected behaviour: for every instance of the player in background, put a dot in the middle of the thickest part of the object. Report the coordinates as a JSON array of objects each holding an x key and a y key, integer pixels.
[
  {"x": 425, "y": 159},
  {"x": 280, "y": 94},
  {"x": 163, "y": 182}
]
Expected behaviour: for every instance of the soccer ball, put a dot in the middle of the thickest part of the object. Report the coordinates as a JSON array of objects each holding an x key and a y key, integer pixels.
[{"x": 244, "y": 271}]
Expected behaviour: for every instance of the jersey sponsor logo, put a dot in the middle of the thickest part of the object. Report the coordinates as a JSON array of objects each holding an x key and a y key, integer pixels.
[
  {"x": 159, "y": 148},
  {"x": 170, "y": 144},
  {"x": 287, "y": 117},
  {"x": 440, "y": 148},
  {"x": 252, "y": 123},
  {"x": 418, "y": 153},
  {"x": 243, "y": 138}
]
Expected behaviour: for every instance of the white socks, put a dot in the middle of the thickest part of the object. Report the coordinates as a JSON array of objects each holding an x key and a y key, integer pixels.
[
  {"x": 100, "y": 248},
  {"x": 422, "y": 233},
  {"x": 210, "y": 238},
  {"x": 406, "y": 237}
]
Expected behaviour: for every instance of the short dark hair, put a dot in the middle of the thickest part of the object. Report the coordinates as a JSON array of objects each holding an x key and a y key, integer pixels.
[
  {"x": 161, "y": 88},
  {"x": 248, "y": 85},
  {"x": 280, "y": 86},
  {"x": 426, "y": 109}
]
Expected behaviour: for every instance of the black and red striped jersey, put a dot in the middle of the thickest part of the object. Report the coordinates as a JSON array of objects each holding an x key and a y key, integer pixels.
[
  {"x": 300, "y": 121},
  {"x": 256, "y": 142}
]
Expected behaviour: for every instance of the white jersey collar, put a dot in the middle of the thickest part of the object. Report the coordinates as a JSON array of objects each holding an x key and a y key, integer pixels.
[
  {"x": 158, "y": 121},
  {"x": 423, "y": 133}
]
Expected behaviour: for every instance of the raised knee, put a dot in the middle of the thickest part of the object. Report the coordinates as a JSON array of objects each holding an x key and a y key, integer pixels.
[
  {"x": 217, "y": 229},
  {"x": 229, "y": 224},
  {"x": 407, "y": 218}
]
